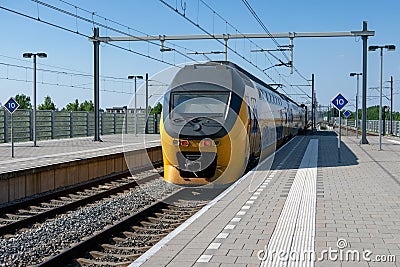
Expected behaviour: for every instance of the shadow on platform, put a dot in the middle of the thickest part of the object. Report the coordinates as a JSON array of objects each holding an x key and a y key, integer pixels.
[{"x": 327, "y": 153}]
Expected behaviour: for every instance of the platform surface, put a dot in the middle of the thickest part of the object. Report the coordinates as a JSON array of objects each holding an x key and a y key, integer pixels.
[
  {"x": 306, "y": 204},
  {"x": 55, "y": 151}
]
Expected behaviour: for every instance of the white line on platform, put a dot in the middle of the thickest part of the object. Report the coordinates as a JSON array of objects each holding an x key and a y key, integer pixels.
[
  {"x": 236, "y": 219},
  {"x": 214, "y": 246},
  {"x": 222, "y": 235},
  {"x": 139, "y": 261},
  {"x": 230, "y": 227},
  {"x": 295, "y": 229},
  {"x": 203, "y": 258}
]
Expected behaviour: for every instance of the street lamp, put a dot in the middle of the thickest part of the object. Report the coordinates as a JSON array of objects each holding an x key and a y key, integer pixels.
[
  {"x": 34, "y": 55},
  {"x": 374, "y": 48},
  {"x": 384, "y": 119},
  {"x": 358, "y": 75},
  {"x": 134, "y": 77}
]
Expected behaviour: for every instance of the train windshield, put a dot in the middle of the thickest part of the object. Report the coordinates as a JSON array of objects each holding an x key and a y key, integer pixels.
[{"x": 188, "y": 104}]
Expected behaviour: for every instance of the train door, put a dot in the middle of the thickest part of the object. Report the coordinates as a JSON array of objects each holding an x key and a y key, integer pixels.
[{"x": 254, "y": 133}]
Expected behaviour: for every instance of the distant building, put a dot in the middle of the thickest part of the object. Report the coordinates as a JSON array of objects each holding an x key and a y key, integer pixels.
[{"x": 122, "y": 110}]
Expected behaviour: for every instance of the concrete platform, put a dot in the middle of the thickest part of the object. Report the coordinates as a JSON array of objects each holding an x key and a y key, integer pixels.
[
  {"x": 50, "y": 152},
  {"x": 59, "y": 163},
  {"x": 308, "y": 210}
]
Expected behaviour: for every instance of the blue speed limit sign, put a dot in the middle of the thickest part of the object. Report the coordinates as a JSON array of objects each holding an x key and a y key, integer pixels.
[
  {"x": 339, "y": 102},
  {"x": 347, "y": 113},
  {"x": 11, "y": 105}
]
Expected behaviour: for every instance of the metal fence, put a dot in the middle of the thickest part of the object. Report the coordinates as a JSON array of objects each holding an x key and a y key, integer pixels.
[
  {"x": 373, "y": 125},
  {"x": 65, "y": 124}
]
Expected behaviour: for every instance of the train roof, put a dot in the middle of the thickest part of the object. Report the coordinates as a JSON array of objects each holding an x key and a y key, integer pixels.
[{"x": 254, "y": 78}]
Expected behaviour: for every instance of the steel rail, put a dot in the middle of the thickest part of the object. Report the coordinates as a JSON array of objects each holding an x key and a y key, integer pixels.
[{"x": 14, "y": 226}]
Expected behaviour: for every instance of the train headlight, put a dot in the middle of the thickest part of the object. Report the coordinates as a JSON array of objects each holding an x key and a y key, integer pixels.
[
  {"x": 207, "y": 142},
  {"x": 184, "y": 143},
  {"x": 175, "y": 142}
]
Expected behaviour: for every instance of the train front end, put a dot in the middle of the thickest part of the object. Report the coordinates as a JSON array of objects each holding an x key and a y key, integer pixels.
[{"x": 203, "y": 127}]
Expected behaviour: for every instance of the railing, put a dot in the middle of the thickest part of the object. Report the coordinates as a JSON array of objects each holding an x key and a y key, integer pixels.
[
  {"x": 65, "y": 124},
  {"x": 373, "y": 125}
]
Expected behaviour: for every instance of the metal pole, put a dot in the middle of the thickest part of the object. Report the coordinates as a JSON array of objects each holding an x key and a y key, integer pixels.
[
  {"x": 291, "y": 55},
  {"x": 5, "y": 126},
  {"x": 312, "y": 103},
  {"x": 52, "y": 125},
  {"x": 225, "y": 48},
  {"x": 135, "y": 110},
  {"x": 305, "y": 119},
  {"x": 147, "y": 103},
  {"x": 340, "y": 136},
  {"x": 115, "y": 123},
  {"x": 87, "y": 124},
  {"x": 380, "y": 103},
  {"x": 12, "y": 136},
  {"x": 71, "y": 124},
  {"x": 384, "y": 121},
  {"x": 34, "y": 101},
  {"x": 357, "y": 124},
  {"x": 364, "y": 88},
  {"x": 126, "y": 119},
  {"x": 96, "y": 86},
  {"x": 391, "y": 105}
]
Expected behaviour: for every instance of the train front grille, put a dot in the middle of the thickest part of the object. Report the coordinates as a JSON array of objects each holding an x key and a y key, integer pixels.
[{"x": 196, "y": 164}]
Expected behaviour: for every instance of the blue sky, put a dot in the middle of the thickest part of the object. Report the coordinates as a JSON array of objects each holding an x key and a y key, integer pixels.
[{"x": 330, "y": 59}]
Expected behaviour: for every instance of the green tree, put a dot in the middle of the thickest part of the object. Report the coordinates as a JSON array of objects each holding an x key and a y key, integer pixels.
[
  {"x": 86, "y": 106},
  {"x": 48, "y": 104},
  {"x": 157, "y": 109},
  {"x": 73, "y": 106},
  {"x": 373, "y": 114},
  {"x": 23, "y": 101}
]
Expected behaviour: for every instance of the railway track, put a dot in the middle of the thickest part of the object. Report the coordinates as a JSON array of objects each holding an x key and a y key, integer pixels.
[
  {"x": 42, "y": 241},
  {"x": 25, "y": 213},
  {"x": 125, "y": 241}
]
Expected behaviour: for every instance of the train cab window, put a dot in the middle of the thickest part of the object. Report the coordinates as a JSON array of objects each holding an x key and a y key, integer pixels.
[{"x": 188, "y": 104}]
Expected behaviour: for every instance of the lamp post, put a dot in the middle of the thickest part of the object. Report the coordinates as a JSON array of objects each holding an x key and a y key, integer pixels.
[
  {"x": 384, "y": 120},
  {"x": 374, "y": 48},
  {"x": 358, "y": 77},
  {"x": 34, "y": 55},
  {"x": 134, "y": 77}
]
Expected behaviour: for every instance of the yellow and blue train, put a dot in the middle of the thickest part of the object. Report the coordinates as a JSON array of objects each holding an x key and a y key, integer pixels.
[{"x": 218, "y": 120}]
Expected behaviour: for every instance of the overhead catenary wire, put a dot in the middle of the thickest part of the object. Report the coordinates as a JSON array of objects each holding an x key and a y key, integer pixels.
[
  {"x": 252, "y": 11},
  {"x": 105, "y": 26},
  {"x": 123, "y": 80},
  {"x": 211, "y": 35},
  {"x": 234, "y": 50},
  {"x": 63, "y": 85},
  {"x": 84, "y": 35}
]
